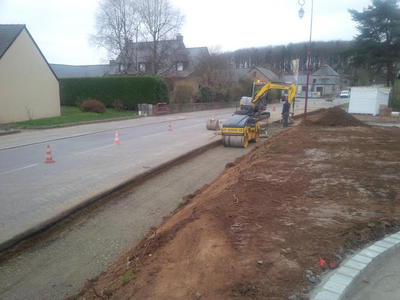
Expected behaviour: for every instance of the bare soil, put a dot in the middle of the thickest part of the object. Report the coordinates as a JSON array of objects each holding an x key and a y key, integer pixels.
[
  {"x": 377, "y": 119},
  {"x": 310, "y": 193}
]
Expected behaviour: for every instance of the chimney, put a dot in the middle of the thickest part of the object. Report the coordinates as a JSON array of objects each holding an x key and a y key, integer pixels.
[{"x": 179, "y": 38}]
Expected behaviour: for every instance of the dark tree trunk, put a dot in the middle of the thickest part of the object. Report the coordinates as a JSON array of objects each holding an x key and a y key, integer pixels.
[
  {"x": 390, "y": 74},
  {"x": 390, "y": 80}
]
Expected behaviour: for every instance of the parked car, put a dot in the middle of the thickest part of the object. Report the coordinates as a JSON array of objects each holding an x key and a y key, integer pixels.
[{"x": 345, "y": 94}]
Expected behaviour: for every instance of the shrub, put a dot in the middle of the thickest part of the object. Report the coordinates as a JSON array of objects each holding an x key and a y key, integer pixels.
[
  {"x": 206, "y": 94},
  {"x": 92, "y": 105},
  {"x": 396, "y": 96},
  {"x": 131, "y": 90},
  {"x": 184, "y": 92},
  {"x": 244, "y": 87},
  {"x": 118, "y": 105}
]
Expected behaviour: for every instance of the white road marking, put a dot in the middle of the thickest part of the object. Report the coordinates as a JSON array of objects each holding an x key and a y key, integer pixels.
[
  {"x": 94, "y": 149},
  {"x": 18, "y": 169}
]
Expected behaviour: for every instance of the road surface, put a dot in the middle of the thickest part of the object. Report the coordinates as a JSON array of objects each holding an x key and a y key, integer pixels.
[{"x": 88, "y": 163}]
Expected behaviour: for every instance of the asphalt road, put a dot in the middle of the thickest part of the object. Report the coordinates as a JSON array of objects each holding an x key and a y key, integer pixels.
[
  {"x": 33, "y": 192},
  {"x": 379, "y": 283}
]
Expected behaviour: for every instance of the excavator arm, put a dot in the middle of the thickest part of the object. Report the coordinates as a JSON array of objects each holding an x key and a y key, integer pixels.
[{"x": 276, "y": 86}]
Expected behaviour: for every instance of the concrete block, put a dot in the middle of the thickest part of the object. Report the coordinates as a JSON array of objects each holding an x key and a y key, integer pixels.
[
  {"x": 383, "y": 244},
  {"x": 341, "y": 279},
  {"x": 391, "y": 240},
  {"x": 395, "y": 236},
  {"x": 376, "y": 249},
  {"x": 355, "y": 265},
  {"x": 348, "y": 271},
  {"x": 362, "y": 258},
  {"x": 334, "y": 286},
  {"x": 326, "y": 295},
  {"x": 370, "y": 253}
]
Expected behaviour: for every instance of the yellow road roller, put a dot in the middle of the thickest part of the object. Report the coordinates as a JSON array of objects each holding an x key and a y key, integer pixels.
[{"x": 245, "y": 124}]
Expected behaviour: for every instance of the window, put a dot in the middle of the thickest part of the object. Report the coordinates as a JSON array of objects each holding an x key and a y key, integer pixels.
[
  {"x": 142, "y": 67},
  {"x": 179, "y": 66}
]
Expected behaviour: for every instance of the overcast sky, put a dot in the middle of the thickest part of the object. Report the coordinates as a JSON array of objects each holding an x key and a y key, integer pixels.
[{"x": 62, "y": 28}]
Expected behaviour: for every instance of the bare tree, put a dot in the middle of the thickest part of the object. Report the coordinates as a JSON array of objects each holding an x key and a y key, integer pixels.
[
  {"x": 214, "y": 70},
  {"x": 118, "y": 24},
  {"x": 161, "y": 22}
]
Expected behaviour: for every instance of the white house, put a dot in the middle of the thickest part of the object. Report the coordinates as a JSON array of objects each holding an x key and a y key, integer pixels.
[{"x": 29, "y": 89}]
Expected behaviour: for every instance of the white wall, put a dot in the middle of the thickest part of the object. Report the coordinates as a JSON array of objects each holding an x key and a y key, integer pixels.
[
  {"x": 366, "y": 100},
  {"x": 28, "y": 88}
]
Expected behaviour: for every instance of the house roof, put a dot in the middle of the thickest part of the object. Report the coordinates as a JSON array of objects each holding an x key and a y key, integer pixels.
[
  {"x": 8, "y": 34},
  {"x": 268, "y": 73},
  {"x": 325, "y": 70},
  {"x": 196, "y": 53},
  {"x": 69, "y": 71}
]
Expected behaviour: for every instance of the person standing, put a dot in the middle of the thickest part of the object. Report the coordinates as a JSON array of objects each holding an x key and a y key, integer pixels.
[{"x": 285, "y": 113}]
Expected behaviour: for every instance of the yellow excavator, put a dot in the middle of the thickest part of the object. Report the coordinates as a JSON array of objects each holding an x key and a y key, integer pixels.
[{"x": 245, "y": 124}]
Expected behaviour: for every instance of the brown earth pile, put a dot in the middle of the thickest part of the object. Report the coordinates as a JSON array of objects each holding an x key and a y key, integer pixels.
[
  {"x": 311, "y": 192},
  {"x": 332, "y": 117}
]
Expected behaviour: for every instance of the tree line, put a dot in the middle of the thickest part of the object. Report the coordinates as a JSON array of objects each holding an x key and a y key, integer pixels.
[
  {"x": 279, "y": 58},
  {"x": 373, "y": 56}
]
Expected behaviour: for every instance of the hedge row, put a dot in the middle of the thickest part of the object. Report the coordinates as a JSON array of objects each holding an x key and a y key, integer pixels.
[
  {"x": 131, "y": 90},
  {"x": 396, "y": 98}
]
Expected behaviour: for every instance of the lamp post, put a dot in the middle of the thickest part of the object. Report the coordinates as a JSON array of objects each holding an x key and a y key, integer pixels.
[{"x": 308, "y": 64}]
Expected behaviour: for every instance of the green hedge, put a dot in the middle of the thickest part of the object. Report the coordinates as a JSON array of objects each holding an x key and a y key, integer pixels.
[
  {"x": 131, "y": 90},
  {"x": 396, "y": 96}
]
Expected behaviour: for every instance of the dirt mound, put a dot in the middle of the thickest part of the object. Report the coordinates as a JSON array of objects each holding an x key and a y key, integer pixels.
[
  {"x": 260, "y": 230},
  {"x": 332, "y": 117}
]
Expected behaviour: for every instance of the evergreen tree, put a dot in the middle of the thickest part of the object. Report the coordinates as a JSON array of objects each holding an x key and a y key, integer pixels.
[{"x": 378, "y": 42}]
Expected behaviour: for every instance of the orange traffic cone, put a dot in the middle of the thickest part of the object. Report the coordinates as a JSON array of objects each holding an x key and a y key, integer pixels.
[
  {"x": 116, "y": 139},
  {"x": 49, "y": 159},
  {"x": 170, "y": 126}
]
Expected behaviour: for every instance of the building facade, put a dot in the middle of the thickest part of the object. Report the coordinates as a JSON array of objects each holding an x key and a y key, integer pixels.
[
  {"x": 325, "y": 82},
  {"x": 174, "y": 59},
  {"x": 29, "y": 89}
]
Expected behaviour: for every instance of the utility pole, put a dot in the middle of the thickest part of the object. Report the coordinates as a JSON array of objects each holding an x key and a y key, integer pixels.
[{"x": 308, "y": 64}]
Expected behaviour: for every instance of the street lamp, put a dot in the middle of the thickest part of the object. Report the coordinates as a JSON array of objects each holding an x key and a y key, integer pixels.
[
  {"x": 301, "y": 10},
  {"x": 308, "y": 64}
]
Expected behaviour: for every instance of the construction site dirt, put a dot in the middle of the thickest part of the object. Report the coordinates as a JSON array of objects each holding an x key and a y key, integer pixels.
[{"x": 310, "y": 194}]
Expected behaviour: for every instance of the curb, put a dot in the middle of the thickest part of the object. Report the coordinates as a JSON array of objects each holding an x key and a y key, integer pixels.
[
  {"x": 83, "y": 123},
  {"x": 339, "y": 283},
  {"x": 7, "y": 132},
  {"x": 108, "y": 120},
  {"x": 134, "y": 180}
]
